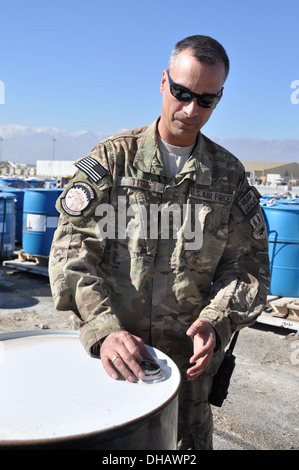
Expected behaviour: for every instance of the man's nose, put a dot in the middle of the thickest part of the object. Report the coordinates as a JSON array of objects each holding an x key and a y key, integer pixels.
[{"x": 191, "y": 108}]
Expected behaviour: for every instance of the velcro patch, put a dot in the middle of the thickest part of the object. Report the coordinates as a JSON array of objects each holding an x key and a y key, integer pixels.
[
  {"x": 248, "y": 201},
  {"x": 207, "y": 195},
  {"x": 77, "y": 198},
  {"x": 259, "y": 226},
  {"x": 92, "y": 168},
  {"x": 141, "y": 183}
]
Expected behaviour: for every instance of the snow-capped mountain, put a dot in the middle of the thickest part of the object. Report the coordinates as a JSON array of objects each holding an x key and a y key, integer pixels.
[{"x": 21, "y": 144}]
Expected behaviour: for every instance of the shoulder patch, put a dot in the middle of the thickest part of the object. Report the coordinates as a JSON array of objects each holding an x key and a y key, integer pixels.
[
  {"x": 92, "y": 168},
  {"x": 259, "y": 226},
  {"x": 248, "y": 201},
  {"x": 77, "y": 198}
]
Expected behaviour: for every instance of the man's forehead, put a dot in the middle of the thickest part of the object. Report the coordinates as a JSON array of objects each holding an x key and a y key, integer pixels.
[
  {"x": 188, "y": 71},
  {"x": 187, "y": 60}
]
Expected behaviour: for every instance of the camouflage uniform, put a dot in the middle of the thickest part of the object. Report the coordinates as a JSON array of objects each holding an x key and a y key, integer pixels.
[{"x": 156, "y": 286}]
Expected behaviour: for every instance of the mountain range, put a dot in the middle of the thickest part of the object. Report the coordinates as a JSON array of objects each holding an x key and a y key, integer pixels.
[{"x": 22, "y": 144}]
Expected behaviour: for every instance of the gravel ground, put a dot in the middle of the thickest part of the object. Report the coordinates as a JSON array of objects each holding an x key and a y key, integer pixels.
[{"x": 261, "y": 410}]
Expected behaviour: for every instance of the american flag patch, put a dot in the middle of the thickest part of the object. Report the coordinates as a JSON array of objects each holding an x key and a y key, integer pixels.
[{"x": 93, "y": 169}]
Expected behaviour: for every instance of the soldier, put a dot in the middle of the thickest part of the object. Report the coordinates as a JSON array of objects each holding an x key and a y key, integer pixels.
[{"x": 162, "y": 241}]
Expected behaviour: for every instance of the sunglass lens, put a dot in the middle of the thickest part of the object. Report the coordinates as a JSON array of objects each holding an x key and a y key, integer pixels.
[
  {"x": 205, "y": 101},
  {"x": 180, "y": 93}
]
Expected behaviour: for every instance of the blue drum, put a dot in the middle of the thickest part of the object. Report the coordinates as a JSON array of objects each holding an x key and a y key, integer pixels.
[
  {"x": 40, "y": 220},
  {"x": 7, "y": 224},
  {"x": 282, "y": 219},
  {"x": 19, "y": 199}
]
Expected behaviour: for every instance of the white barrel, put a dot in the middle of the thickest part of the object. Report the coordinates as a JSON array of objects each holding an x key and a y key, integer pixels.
[{"x": 53, "y": 395}]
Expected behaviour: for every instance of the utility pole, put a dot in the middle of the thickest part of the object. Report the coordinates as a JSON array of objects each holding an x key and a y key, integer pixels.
[
  {"x": 1, "y": 140},
  {"x": 54, "y": 140}
]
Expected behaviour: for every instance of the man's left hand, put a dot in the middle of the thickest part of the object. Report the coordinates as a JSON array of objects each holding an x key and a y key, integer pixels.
[{"x": 204, "y": 342}]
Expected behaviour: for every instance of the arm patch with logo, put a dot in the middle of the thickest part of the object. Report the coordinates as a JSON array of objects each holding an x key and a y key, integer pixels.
[
  {"x": 77, "y": 198},
  {"x": 247, "y": 202},
  {"x": 259, "y": 226}
]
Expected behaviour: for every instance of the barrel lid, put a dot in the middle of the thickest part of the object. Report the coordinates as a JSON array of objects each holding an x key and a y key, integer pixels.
[
  {"x": 51, "y": 388},
  {"x": 283, "y": 205}
]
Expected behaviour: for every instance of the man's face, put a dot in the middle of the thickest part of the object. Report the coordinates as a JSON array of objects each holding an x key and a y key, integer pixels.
[{"x": 180, "y": 122}]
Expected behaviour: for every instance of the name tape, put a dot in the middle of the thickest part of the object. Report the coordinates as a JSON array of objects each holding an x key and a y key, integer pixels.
[
  {"x": 141, "y": 184},
  {"x": 207, "y": 195}
]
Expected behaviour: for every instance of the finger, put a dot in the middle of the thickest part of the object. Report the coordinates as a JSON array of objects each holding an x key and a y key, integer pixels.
[
  {"x": 204, "y": 351},
  {"x": 129, "y": 367},
  {"x": 124, "y": 370},
  {"x": 114, "y": 347},
  {"x": 199, "y": 367},
  {"x": 195, "y": 327},
  {"x": 128, "y": 359},
  {"x": 131, "y": 349},
  {"x": 108, "y": 367},
  {"x": 145, "y": 352},
  {"x": 115, "y": 366},
  {"x": 132, "y": 358}
]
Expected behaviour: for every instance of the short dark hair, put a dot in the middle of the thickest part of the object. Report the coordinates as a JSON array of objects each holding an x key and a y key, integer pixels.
[{"x": 206, "y": 50}]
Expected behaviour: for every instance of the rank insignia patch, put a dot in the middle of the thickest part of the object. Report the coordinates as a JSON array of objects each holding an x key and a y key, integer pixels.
[{"x": 77, "y": 198}]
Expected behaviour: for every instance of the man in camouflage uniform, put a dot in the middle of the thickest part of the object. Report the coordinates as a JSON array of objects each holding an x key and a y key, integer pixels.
[{"x": 184, "y": 285}]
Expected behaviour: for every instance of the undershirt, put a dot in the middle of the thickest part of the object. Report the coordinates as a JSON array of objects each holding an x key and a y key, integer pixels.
[{"x": 174, "y": 158}]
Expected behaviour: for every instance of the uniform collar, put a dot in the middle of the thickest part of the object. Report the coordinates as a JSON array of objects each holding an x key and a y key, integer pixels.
[{"x": 148, "y": 158}]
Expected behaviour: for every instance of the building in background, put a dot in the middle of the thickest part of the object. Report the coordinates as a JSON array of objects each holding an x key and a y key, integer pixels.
[{"x": 272, "y": 173}]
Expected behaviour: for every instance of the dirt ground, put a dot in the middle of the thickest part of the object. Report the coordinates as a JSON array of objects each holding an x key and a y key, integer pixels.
[{"x": 261, "y": 410}]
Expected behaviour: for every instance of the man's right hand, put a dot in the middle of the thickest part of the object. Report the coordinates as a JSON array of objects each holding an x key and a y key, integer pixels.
[{"x": 123, "y": 352}]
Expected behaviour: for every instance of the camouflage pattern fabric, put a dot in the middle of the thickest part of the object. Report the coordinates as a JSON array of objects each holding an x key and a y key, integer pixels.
[{"x": 148, "y": 278}]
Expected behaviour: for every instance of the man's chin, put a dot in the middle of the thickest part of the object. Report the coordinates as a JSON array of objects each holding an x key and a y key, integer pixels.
[{"x": 185, "y": 134}]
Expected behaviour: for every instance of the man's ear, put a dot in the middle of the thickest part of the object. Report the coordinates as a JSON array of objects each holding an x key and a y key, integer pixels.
[{"x": 163, "y": 81}]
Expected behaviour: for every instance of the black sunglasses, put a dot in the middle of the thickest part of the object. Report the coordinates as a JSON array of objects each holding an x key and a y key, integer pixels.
[{"x": 182, "y": 93}]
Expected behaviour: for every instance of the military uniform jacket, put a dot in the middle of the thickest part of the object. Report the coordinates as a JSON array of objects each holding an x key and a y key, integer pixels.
[{"x": 138, "y": 250}]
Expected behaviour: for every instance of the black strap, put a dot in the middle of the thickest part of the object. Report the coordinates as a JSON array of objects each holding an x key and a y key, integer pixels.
[{"x": 233, "y": 341}]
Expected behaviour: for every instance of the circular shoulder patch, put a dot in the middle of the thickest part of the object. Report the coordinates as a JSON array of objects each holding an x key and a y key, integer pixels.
[{"x": 77, "y": 198}]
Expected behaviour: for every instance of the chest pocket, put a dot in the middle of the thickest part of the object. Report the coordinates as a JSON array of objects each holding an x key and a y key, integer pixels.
[
  {"x": 217, "y": 207},
  {"x": 214, "y": 226},
  {"x": 133, "y": 216}
]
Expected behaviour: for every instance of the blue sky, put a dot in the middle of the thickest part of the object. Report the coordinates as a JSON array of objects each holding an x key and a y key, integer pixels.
[{"x": 96, "y": 65}]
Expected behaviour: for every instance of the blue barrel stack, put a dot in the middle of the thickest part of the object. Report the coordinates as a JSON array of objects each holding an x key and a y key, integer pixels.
[
  {"x": 28, "y": 216},
  {"x": 282, "y": 219}
]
